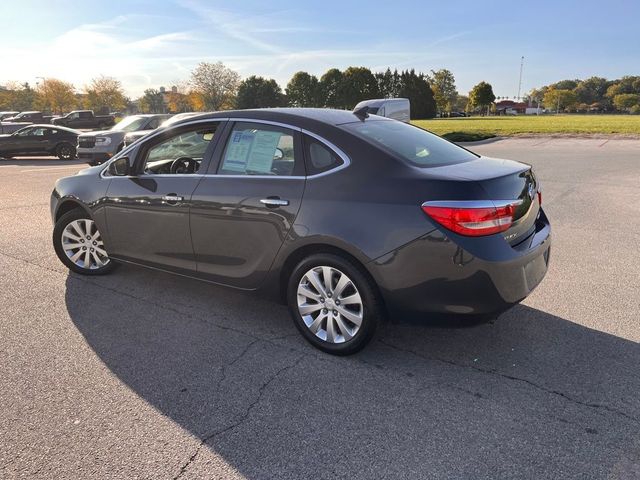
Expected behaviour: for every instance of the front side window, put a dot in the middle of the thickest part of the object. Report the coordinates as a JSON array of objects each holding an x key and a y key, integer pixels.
[
  {"x": 73, "y": 116},
  {"x": 25, "y": 132},
  {"x": 413, "y": 144},
  {"x": 258, "y": 149},
  {"x": 181, "y": 153}
]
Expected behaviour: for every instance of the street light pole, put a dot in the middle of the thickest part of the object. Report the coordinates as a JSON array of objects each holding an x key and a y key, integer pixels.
[{"x": 520, "y": 81}]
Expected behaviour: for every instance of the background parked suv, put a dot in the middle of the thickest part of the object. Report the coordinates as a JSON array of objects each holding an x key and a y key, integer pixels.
[{"x": 98, "y": 147}]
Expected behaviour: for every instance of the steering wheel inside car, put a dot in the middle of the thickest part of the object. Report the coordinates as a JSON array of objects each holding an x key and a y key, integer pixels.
[{"x": 184, "y": 165}]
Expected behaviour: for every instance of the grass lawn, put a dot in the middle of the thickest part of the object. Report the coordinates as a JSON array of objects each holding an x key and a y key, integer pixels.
[{"x": 477, "y": 128}]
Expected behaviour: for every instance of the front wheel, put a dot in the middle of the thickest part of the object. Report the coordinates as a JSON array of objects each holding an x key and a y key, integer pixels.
[
  {"x": 65, "y": 151},
  {"x": 333, "y": 303},
  {"x": 79, "y": 246}
]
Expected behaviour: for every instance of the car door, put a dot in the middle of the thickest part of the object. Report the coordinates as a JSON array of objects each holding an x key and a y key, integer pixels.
[
  {"x": 147, "y": 212},
  {"x": 29, "y": 140},
  {"x": 243, "y": 209},
  {"x": 86, "y": 120}
]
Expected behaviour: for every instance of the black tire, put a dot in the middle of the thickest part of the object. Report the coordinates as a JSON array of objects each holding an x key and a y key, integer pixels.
[
  {"x": 61, "y": 224},
  {"x": 66, "y": 151},
  {"x": 372, "y": 310}
]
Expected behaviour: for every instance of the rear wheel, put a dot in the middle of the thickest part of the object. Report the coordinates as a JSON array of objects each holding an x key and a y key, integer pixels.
[
  {"x": 333, "y": 304},
  {"x": 65, "y": 151},
  {"x": 79, "y": 246}
]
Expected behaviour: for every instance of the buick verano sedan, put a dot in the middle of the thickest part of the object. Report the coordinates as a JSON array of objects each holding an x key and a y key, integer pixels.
[{"x": 350, "y": 218}]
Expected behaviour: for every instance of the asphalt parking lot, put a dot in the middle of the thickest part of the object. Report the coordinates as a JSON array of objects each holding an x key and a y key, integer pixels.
[{"x": 145, "y": 375}]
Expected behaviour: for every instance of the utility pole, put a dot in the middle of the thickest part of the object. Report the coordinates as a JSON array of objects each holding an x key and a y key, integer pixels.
[{"x": 520, "y": 81}]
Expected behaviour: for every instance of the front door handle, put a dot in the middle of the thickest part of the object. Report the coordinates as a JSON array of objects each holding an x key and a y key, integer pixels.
[
  {"x": 172, "y": 198},
  {"x": 274, "y": 202}
]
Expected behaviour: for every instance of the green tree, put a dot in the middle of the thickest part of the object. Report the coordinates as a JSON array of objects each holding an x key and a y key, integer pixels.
[
  {"x": 17, "y": 96},
  {"x": 216, "y": 84},
  {"x": 151, "y": 101},
  {"x": 56, "y": 96},
  {"x": 416, "y": 88},
  {"x": 359, "y": 84},
  {"x": 626, "y": 101},
  {"x": 559, "y": 99},
  {"x": 443, "y": 84},
  {"x": 461, "y": 103},
  {"x": 591, "y": 90},
  {"x": 565, "y": 84},
  {"x": 303, "y": 90},
  {"x": 332, "y": 89},
  {"x": 481, "y": 96},
  {"x": 389, "y": 83},
  {"x": 258, "y": 92},
  {"x": 105, "y": 93}
]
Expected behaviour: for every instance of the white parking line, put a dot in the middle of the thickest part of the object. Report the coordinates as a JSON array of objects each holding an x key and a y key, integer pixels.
[{"x": 46, "y": 169}]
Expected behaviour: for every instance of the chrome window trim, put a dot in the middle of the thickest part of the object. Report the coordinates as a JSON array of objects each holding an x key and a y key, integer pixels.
[
  {"x": 339, "y": 152},
  {"x": 472, "y": 203}
]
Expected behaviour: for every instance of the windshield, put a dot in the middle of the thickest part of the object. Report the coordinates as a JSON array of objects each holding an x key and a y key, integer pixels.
[
  {"x": 129, "y": 124},
  {"x": 411, "y": 143}
]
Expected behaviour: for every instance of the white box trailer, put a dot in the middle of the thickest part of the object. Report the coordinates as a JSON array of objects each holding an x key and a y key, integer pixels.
[{"x": 395, "y": 108}]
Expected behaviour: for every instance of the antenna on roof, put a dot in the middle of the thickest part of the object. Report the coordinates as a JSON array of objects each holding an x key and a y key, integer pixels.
[{"x": 362, "y": 112}]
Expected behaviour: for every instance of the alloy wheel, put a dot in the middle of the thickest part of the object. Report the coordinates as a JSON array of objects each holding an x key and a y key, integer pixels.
[
  {"x": 82, "y": 244},
  {"x": 66, "y": 152},
  {"x": 330, "y": 304}
]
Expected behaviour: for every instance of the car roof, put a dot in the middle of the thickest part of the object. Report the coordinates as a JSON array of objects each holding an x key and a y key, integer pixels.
[
  {"x": 55, "y": 127},
  {"x": 296, "y": 116}
]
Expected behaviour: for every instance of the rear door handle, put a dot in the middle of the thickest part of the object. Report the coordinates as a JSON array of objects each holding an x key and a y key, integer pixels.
[
  {"x": 273, "y": 202},
  {"x": 172, "y": 198}
]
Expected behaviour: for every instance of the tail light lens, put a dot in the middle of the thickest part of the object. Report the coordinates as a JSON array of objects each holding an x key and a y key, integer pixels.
[{"x": 471, "y": 218}]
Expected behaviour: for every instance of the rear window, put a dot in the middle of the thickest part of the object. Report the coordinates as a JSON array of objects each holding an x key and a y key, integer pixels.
[{"x": 410, "y": 143}]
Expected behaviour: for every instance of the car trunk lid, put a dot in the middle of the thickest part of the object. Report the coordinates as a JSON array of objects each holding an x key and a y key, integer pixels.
[{"x": 503, "y": 182}]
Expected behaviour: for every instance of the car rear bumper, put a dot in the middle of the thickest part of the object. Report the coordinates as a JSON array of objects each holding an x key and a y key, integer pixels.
[{"x": 446, "y": 273}]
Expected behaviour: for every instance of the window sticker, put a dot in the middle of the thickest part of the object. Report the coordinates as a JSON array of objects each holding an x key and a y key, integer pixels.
[
  {"x": 263, "y": 151},
  {"x": 238, "y": 151}
]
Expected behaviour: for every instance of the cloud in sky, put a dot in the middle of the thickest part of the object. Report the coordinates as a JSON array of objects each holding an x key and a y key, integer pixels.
[{"x": 147, "y": 43}]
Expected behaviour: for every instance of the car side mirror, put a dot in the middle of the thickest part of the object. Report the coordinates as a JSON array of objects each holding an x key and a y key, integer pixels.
[{"x": 120, "y": 167}]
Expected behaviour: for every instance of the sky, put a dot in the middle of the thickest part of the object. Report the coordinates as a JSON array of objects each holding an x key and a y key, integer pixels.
[{"x": 148, "y": 44}]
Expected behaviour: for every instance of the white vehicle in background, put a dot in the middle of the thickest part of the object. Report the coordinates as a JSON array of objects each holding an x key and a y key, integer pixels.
[
  {"x": 533, "y": 111},
  {"x": 98, "y": 147},
  {"x": 137, "y": 135},
  {"x": 395, "y": 108}
]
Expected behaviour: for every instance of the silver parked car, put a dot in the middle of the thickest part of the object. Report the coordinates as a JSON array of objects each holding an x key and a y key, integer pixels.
[{"x": 98, "y": 147}]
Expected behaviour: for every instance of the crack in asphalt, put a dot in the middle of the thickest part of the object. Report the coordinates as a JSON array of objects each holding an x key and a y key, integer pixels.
[
  {"x": 537, "y": 386},
  {"x": 245, "y": 416},
  {"x": 314, "y": 355}
]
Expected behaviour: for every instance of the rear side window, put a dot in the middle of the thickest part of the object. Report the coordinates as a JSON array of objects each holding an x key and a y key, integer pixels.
[
  {"x": 319, "y": 158},
  {"x": 259, "y": 149},
  {"x": 413, "y": 144}
]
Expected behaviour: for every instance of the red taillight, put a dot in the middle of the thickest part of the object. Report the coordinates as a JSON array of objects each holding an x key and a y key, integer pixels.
[
  {"x": 472, "y": 218},
  {"x": 540, "y": 197}
]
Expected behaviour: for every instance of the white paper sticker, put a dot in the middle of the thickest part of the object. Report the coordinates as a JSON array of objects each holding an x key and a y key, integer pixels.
[
  {"x": 262, "y": 151},
  {"x": 238, "y": 151}
]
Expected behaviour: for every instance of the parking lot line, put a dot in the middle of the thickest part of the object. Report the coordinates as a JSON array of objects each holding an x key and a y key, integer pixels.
[{"x": 47, "y": 169}]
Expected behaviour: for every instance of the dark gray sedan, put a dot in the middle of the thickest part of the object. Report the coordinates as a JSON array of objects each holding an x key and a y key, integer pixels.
[{"x": 350, "y": 218}]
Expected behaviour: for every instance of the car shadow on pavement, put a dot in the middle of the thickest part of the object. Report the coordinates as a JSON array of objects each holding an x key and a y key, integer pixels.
[
  {"x": 40, "y": 161},
  {"x": 529, "y": 395}
]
